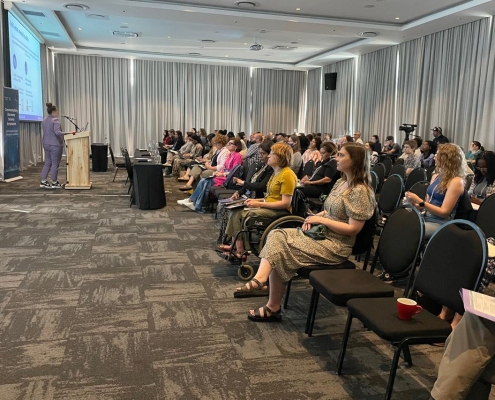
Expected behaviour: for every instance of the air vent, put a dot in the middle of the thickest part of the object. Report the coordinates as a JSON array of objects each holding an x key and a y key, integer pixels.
[
  {"x": 54, "y": 34},
  {"x": 194, "y": 54},
  {"x": 34, "y": 13},
  {"x": 263, "y": 31},
  {"x": 284, "y": 48},
  {"x": 97, "y": 16},
  {"x": 76, "y": 7},
  {"x": 246, "y": 4},
  {"x": 208, "y": 41},
  {"x": 368, "y": 34},
  {"x": 126, "y": 34}
]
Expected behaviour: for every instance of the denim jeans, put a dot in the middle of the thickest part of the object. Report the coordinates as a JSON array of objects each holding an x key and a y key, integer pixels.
[{"x": 199, "y": 193}]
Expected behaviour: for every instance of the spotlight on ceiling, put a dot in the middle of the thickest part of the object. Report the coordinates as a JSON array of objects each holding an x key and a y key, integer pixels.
[
  {"x": 76, "y": 7},
  {"x": 246, "y": 4},
  {"x": 368, "y": 34}
]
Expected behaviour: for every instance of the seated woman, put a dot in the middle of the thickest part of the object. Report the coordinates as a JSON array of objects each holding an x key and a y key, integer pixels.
[
  {"x": 484, "y": 178},
  {"x": 374, "y": 156},
  {"x": 445, "y": 188},
  {"x": 253, "y": 187},
  {"x": 377, "y": 146},
  {"x": 214, "y": 162},
  {"x": 233, "y": 159},
  {"x": 195, "y": 152},
  {"x": 474, "y": 151},
  {"x": 325, "y": 175},
  {"x": 347, "y": 207},
  {"x": 175, "y": 144},
  {"x": 312, "y": 155},
  {"x": 293, "y": 142},
  {"x": 277, "y": 201},
  {"x": 172, "y": 155},
  {"x": 427, "y": 155}
]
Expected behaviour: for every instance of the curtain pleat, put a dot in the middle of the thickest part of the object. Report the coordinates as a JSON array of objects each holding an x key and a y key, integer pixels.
[
  {"x": 313, "y": 121},
  {"x": 374, "y": 106},
  {"x": 278, "y": 98},
  {"x": 337, "y": 104}
]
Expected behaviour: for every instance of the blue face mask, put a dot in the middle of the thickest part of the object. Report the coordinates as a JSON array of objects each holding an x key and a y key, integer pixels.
[{"x": 291, "y": 144}]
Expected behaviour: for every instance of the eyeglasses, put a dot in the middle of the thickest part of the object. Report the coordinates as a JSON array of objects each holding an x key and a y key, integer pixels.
[
  {"x": 229, "y": 143},
  {"x": 482, "y": 168}
]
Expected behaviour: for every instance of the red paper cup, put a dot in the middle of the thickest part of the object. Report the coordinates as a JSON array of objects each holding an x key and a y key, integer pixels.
[{"x": 406, "y": 308}]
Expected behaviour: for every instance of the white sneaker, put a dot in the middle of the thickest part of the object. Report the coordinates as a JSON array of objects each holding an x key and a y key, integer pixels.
[
  {"x": 184, "y": 202},
  {"x": 191, "y": 206}
]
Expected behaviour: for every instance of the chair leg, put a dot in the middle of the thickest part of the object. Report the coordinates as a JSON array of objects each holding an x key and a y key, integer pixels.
[
  {"x": 366, "y": 259},
  {"x": 116, "y": 170},
  {"x": 347, "y": 331},
  {"x": 313, "y": 315},
  {"x": 287, "y": 293},
  {"x": 314, "y": 293},
  {"x": 393, "y": 370},
  {"x": 407, "y": 356}
]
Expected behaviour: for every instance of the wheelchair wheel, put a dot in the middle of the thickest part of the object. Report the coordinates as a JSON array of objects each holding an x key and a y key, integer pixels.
[
  {"x": 289, "y": 221},
  {"x": 245, "y": 272}
]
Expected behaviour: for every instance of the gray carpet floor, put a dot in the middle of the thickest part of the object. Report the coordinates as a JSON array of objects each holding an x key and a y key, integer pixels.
[{"x": 102, "y": 301}]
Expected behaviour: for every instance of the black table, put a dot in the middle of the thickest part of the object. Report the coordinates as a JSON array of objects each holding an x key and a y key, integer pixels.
[
  {"x": 149, "y": 192},
  {"x": 99, "y": 153}
]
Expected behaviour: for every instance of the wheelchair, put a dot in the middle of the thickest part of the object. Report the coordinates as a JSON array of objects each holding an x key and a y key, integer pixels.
[{"x": 255, "y": 231}]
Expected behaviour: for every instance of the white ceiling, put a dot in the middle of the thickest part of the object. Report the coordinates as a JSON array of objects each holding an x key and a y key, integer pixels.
[{"x": 323, "y": 31}]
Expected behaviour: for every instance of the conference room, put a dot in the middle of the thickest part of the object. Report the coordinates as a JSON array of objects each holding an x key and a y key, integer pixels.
[{"x": 198, "y": 199}]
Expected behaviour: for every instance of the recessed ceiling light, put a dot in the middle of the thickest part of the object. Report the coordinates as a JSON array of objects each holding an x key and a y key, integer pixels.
[
  {"x": 368, "y": 34},
  {"x": 292, "y": 20},
  {"x": 293, "y": 42},
  {"x": 124, "y": 11},
  {"x": 245, "y": 43},
  {"x": 188, "y": 10},
  {"x": 226, "y": 55},
  {"x": 169, "y": 37},
  {"x": 76, "y": 7},
  {"x": 79, "y": 29},
  {"x": 298, "y": 9},
  {"x": 397, "y": 18},
  {"x": 194, "y": 54},
  {"x": 123, "y": 43},
  {"x": 246, "y": 4},
  {"x": 208, "y": 41}
]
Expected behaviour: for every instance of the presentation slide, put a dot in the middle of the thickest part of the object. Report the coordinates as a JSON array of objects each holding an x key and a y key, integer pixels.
[{"x": 25, "y": 70}]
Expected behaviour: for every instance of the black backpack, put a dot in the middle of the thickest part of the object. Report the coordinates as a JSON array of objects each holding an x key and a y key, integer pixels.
[
  {"x": 237, "y": 172},
  {"x": 299, "y": 204}
]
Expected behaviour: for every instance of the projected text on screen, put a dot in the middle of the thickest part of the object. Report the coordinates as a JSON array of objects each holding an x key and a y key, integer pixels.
[{"x": 25, "y": 70}]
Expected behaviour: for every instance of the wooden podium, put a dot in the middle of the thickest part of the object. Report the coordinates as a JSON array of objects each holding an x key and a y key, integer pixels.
[{"x": 77, "y": 161}]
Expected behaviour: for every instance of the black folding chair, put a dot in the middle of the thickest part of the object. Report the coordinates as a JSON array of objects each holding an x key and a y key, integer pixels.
[
  {"x": 390, "y": 195},
  {"x": 374, "y": 181},
  {"x": 468, "y": 181},
  {"x": 116, "y": 166},
  {"x": 362, "y": 245},
  {"x": 429, "y": 172},
  {"x": 416, "y": 175},
  {"x": 379, "y": 170},
  {"x": 387, "y": 162},
  {"x": 445, "y": 268},
  {"x": 399, "y": 161},
  {"x": 397, "y": 250},
  {"x": 420, "y": 189},
  {"x": 485, "y": 218},
  {"x": 398, "y": 169}
]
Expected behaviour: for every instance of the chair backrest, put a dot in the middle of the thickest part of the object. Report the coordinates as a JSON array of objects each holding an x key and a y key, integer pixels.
[
  {"x": 111, "y": 155},
  {"x": 128, "y": 164},
  {"x": 374, "y": 181},
  {"x": 454, "y": 258},
  {"x": 401, "y": 240},
  {"x": 364, "y": 239},
  {"x": 468, "y": 180},
  {"x": 399, "y": 161},
  {"x": 379, "y": 170},
  {"x": 420, "y": 189},
  {"x": 390, "y": 194},
  {"x": 398, "y": 169},
  {"x": 485, "y": 218},
  {"x": 464, "y": 207},
  {"x": 416, "y": 175},
  {"x": 387, "y": 162},
  {"x": 429, "y": 172}
]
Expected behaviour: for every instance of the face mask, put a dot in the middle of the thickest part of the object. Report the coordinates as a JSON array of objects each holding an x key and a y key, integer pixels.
[{"x": 291, "y": 144}]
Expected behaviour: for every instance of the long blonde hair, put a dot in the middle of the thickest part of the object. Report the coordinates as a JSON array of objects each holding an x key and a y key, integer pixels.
[{"x": 452, "y": 164}]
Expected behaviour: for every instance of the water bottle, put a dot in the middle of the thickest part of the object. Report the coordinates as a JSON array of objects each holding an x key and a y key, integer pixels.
[{"x": 405, "y": 201}]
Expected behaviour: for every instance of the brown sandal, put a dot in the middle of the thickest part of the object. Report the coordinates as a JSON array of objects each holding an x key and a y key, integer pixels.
[{"x": 252, "y": 291}]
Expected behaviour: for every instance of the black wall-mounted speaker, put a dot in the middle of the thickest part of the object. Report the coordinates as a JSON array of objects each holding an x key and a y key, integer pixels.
[{"x": 331, "y": 81}]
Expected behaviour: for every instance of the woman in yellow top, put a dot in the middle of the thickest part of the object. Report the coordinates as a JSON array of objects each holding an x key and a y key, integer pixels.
[{"x": 276, "y": 203}]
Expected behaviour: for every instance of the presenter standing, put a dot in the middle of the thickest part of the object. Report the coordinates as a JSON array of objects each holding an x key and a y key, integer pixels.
[{"x": 53, "y": 142}]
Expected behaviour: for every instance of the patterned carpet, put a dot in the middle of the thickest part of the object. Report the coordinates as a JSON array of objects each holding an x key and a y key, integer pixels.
[{"x": 102, "y": 301}]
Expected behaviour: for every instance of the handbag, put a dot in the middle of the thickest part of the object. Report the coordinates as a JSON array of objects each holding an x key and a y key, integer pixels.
[{"x": 317, "y": 232}]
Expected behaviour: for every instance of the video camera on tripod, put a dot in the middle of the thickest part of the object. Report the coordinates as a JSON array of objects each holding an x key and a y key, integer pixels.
[{"x": 408, "y": 129}]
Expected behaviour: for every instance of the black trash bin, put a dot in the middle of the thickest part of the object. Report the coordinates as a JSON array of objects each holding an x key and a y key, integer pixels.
[{"x": 99, "y": 152}]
